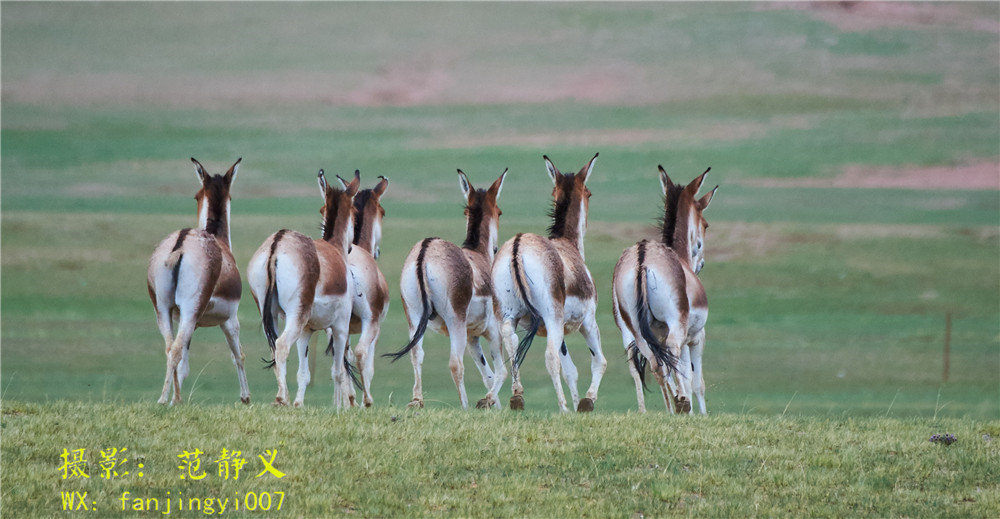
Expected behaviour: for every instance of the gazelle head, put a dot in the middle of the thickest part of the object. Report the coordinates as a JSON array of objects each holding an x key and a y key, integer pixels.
[
  {"x": 338, "y": 209},
  {"x": 214, "y": 201},
  {"x": 570, "y": 201},
  {"x": 482, "y": 215},
  {"x": 368, "y": 214},
  {"x": 684, "y": 224}
]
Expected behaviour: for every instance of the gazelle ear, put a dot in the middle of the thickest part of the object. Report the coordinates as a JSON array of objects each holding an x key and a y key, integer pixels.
[
  {"x": 463, "y": 181},
  {"x": 498, "y": 185},
  {"x": 352, "y": 187},
  {"x": 322, "y": 184},
  {"x": 589, "y": 168},
  {"x": 381, "y": 186},
  {"x": 231, "y": 174},
  {"x": 343, "y": 183},
  {"x": 200, "y": 170},
  {"x": 553, "y": 172},
  {"x": 695, "y": 184},
  {"x": 665, "y": 182},
  {"x": 707, "y": 199}
]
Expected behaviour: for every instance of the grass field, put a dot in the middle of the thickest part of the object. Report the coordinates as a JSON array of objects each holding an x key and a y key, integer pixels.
[{"x": 858, "y": 153}]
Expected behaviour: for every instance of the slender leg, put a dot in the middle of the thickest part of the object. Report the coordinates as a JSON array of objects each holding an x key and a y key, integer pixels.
[
  {"x": 508, "y": 336},
  {"x": 475, "y": 351},
  {"x": 337, "y": 372},
  {"x": 697, "y": 348},
  {"x": 598, "y": 363},
  {"x": 175, "y": 355},
  {"x": 303, "y": 375},
  {"x": 569, "y": 373},
  {"x": 459, "y": 338},
  {"x": 417, "y": 358},
  {"x": 364, "y": 352},
  {"x": 231, "y": 329},
  {"x": 554, "y": 340},
  {"x": 492, "y": 336}
]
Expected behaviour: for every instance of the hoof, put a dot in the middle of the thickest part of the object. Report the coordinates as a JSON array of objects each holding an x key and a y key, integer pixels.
[
  {"x": 418, "y": 404},
  {"x": 297, "y": 404},
  {"x": 245, "y": 400},
  {"x": 517, "y": 403},
  {"x": 368, "y": 403},
  {"x": 279, "y": 403},
  {"x": 586, "y": 405},
  {"x": 483, "y": 404},
  {"x": 682, "y": 404}
]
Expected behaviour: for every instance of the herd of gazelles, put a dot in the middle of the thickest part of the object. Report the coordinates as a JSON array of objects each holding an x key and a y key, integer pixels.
[{"x": 476, "y": 290}]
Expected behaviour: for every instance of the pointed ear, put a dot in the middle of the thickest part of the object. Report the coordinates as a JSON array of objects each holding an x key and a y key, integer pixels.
[
  {"x": 695, "y": 184},
  {"x": 498, "y": 185},
  {"x": 553, "y": 172},
  {"x": 343, "y": 183},
  {"x": 665, "y": 182},
  {"x": 231, "y": 174},
  {"x": 381, "y": 186},
  {"x": 463, "y": 181},
  {"x": 707, "y": 199},
  {"x": 200, "y": 170},
  {"x": 322, "y": 184},
  {"x": 588, "y": 169},
  {"x": 352, "y": 188}
]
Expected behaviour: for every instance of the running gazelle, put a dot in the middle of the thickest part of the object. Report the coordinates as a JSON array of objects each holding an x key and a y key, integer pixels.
[
  {"x": 371, "y": 292},
  {"x": 193, "y": 280},
  {"x": 659, "y": 302},
  {"x": 306, "y": 281},
  {"x": 449, "y": 288},
  {"x": 545, "y": 280}
]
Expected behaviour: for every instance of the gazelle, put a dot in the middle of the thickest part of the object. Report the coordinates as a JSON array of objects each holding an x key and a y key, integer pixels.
[
  {"x": 193, "y": 279},
  {"x": 307, "y": 282},
  {"x": 546, "y": 280},
  {"x": 371, "y": 292},
  {"x": 659, "y": 302},
  {"x": 449, "y": 288}
]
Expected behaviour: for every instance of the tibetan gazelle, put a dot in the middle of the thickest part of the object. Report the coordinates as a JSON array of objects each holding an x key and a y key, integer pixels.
[
  {"x": 193, "y": 280},
  {"x": 545, "y": 280},
  {"x": 371, "y": 292},
  {"x": 449, "y": 288},
  {"x": 659, "y": 302},
  {"x": 306, "y": 281}
]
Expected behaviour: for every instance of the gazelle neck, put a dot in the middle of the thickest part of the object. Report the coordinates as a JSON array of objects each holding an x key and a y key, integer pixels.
[
  {"x": 213, "y": 214},
  {"x": 569, "y": 221}
]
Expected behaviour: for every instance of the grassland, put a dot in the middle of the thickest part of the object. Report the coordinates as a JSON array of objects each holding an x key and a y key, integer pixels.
[{"x": 858, "y": 157}]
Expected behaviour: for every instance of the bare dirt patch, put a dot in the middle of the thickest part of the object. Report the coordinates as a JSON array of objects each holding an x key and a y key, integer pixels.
[
  {"x": 983, "y": 175},
  {"x": 859, "y": 16}
]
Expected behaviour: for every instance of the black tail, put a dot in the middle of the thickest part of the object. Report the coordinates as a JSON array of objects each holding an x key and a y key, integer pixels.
[
  {"x": 536, "y": 319},
  {"x": 348, "y": 367},
  {"x": 639, "y": 361},
  {"x": 660, "y": 350},
  {"x": 428, "y": 307},
  {"x": 268, "y": 314}
]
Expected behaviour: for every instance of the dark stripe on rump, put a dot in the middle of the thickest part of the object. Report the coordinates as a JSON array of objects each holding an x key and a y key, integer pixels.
[
  {"x": 270, "y": 296},
  {"x": 536, "y": 319},
  {"x": 428, "y": 309},
  {"x": 660, "y": 351}
]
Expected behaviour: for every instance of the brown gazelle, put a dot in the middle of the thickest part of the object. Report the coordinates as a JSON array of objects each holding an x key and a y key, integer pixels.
[
  {"x": 371, "y": 292},
  {"x": 545, "y": 280},
  {"x": 659, "y": 302},
  {"x": 449, "y": 288},
  {"x": 307, "y": 282},
  {"x": 193, "y": 279}
]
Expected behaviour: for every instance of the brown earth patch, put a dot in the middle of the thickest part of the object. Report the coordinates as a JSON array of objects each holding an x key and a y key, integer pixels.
[
  {"x": 856, "y": 16},
  {"x": 983, "y": 175}
]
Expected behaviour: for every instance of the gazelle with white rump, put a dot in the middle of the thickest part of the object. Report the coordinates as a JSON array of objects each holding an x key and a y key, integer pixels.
[
  {"x": 659, "y": 302},
  {"x": 371, "y": 292},
  {"x": 545, "y": 280},
  {"x": 193, "y": 280},
  {"x": 307, "y": 282},
  {"x": 449, "y": 289}
]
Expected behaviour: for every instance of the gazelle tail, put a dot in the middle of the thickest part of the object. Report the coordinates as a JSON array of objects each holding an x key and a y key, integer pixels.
[
  {"x": 428, "y": 307},
  {"x": 523, "y": 294},
  {"x": 642, "y": 312}
]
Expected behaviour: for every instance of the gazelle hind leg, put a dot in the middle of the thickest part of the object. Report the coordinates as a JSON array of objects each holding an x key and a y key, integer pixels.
[
  {"x": 231, "y": 329},
  {"x": 302, "y": 375},
  {"x": 475, "y": 350},
  {"x": 458, "y": 336},
  {"x": 175, "y": 354},
  {"x": 364, "y": 354},
  {"x": 570, "y": 374},
  {"x": 553, "y": 361},
  {"x": 341, "y": 381},
  {"x": 508, "y": 337},
  {"x": 697, "y": 348},
  {"x": 598, "y": 363},
  {"x": 492, "y": 337}
]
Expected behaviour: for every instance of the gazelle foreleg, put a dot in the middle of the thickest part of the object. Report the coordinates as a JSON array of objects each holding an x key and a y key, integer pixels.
[
  {"x": 598, "y": 363},
  {"x": 231, "y": 329}
]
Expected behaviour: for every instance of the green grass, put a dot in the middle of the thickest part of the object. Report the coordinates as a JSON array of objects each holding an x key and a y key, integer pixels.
[
  {"x": 393, "y": 461},
  {"x": 828, "y": 305}
]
